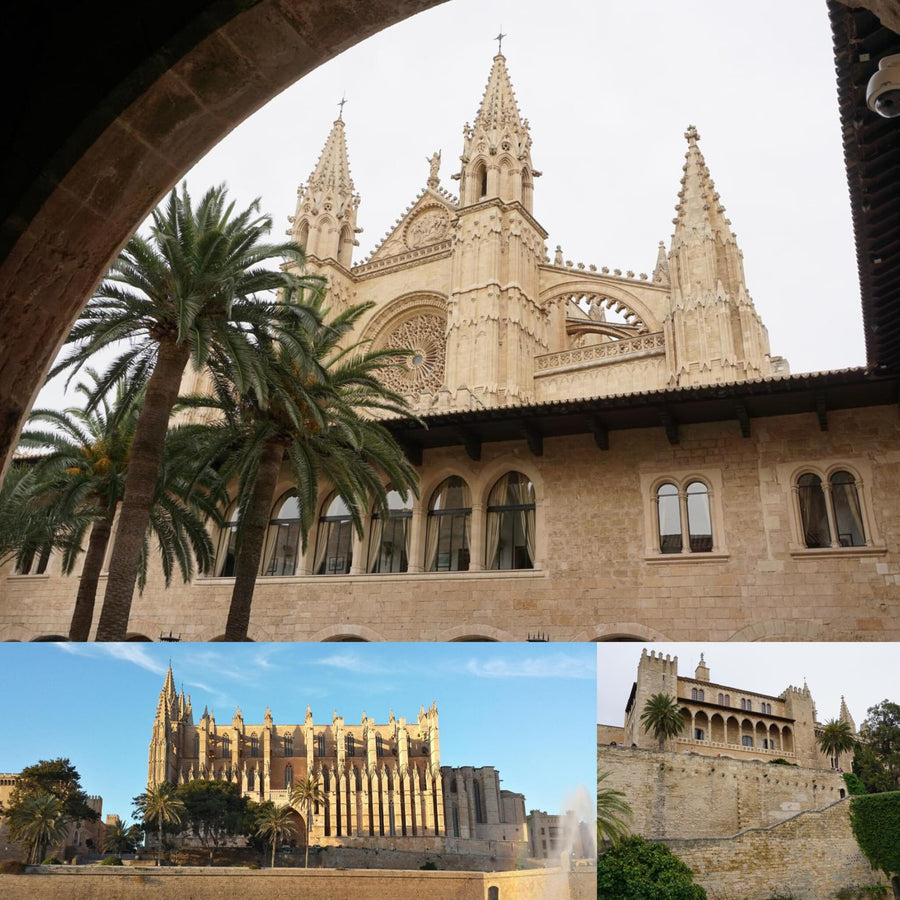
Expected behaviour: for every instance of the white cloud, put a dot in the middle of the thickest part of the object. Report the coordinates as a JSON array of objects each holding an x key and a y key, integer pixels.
[{"x": 558, "y": 665}]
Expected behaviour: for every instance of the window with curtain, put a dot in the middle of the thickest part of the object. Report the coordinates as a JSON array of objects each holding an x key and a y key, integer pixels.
[
  {"x": 283, "y": 537},
  {"x": 448, "y": 530},
  {"x": 228, "y": 545},
  {"x": 509, "y": 526},
  {"x": 389, "y": 538},
  {"x": 847, "y": 512},
  {"x": 813, "y": 513},
  {"x": 334, "y": 542}
]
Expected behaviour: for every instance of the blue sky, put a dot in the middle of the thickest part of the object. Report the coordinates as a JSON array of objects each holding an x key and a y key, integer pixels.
[{"x": 527, "y": 709}]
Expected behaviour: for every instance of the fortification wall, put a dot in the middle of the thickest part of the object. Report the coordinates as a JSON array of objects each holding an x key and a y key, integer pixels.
[
  {"x": 213, "y": 884},
  {"x": 690, "y": 796},
  {"x": 808, "y": 857}
]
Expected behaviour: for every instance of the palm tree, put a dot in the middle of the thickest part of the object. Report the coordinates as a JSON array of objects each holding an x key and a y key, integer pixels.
[
  {"x": 836, "y": 738},
  {"x": 306, "y": 793},
  {"x": 121, "y": 838},
  {"x": 319, "y": 417},
  {"x": 613, "y": 813},
  {"x": 276, "y": 824},
  {"x": 84, "y": 473},
  {"x": 31, "y": 529},
  {"x": 193, "y": 292},
  {"x": 160, "y": 805},
  {"x": 38, "y": 821},
  {"x": 662, "y": 716}
]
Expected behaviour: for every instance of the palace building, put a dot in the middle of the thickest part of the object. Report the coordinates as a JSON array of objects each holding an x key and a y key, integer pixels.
[
  {"x": 724, "y": 720},
  {"x": 602, "y": 454},
  {"x": 377, "y": 780}
]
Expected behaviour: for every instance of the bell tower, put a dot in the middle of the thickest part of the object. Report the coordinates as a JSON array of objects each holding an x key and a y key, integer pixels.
[{"x": 495, "y": 327}]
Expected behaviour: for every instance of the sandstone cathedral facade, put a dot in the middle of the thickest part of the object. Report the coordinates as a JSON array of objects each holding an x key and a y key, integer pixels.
[
  {"x": 376, "y": 780},
  {"x": 601, "y": 455}
]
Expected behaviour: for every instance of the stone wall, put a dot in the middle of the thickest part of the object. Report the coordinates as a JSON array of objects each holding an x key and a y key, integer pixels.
[
  {"x": 214, "y": 884},
  {"x": 690, "y": 796},
  {"x": 592, "y": 500},
  {"x": 809, "y": 857}
]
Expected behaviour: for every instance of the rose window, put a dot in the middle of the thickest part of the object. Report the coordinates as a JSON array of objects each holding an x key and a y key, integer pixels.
[{"x": 423, "y": 369}]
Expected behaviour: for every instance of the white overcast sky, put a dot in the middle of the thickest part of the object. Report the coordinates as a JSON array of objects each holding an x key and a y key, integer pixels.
[{"x": 865, "y": 674}]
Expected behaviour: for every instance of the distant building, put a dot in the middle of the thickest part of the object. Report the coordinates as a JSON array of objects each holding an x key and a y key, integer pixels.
[{"x": 378, "y": 780}]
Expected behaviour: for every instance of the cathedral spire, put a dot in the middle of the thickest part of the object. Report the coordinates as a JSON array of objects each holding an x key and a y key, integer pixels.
[
  {"x": 845, "y": 716},
  {"x": 497, "y": 147},
  {"x": 713, "y": 330},
  {"x": 325, "y": 221}
]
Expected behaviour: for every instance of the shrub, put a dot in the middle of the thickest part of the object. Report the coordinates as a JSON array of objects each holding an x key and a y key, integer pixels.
[
  {"x": 635, "y": 869},
  {"x": 875, "y": 819},
  {"x": 110, "y": 861},
  {"x": 854, "y": 784},
  {"x": 51, "y": 861},
  {"x": 781, "y": 761},
  {"x": 11, "y": 867}
]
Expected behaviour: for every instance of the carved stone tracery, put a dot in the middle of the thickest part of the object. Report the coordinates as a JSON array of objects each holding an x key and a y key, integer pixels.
[{"x": 423, "y": 335}]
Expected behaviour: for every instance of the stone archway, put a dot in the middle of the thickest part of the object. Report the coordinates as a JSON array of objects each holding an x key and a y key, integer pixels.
[{"x": 78, "y": 182}]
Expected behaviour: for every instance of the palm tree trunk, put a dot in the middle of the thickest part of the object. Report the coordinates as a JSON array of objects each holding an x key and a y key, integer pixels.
[
  {"x": 308, "y": 816},
  {"x": 159, "y": 844},
  {"x": 140, "y": 484},
  {"x": 273, "y": 851},
  {"x": 83, "y": 614},
  {"x": 254, "y": 523}
]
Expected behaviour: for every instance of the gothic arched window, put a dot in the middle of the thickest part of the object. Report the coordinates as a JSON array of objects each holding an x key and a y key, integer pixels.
[
  {"x": 350, "y": 743},
  {"x": 813, "y": 512},
  {"x": 288, "y": 777},
  {"x": 228, "y": 545},
  {"x": 283, "y": 537},
  {"x": 509, "y": 526},
  {"x": 334, "y": 544},
  {"x": 254, "y": 745},
  {"x": 389, "y": 538},
  {"x": 379, "y": 745},
  {"x": 449, "y": 526},
  {"x": 320, "y": 745},
  {"x": 683, "y": 511},
  {"x": 197, "y": 745},
  {"x": 847, "y": 513},
  {"x": 288, "y": 743},
  {"x": 226, "y": 746}
]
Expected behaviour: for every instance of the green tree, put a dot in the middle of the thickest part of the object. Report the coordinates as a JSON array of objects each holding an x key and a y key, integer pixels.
[
  {"x": 662, "y": 716},
  {"x": 121, "y": 838},
  {"x": 215, "y": 810},
  {"x": 319, "y": 417},
  {"x": 877, "y": 758},
  {"x": 275, "y": 824},
  {"x": 82, "y": 470},
  {"x": 305, "y": 795},
  {"x": 636, "y": 869},
  {"x": 836, "y": 738},
  {"x": 30, "y": 529},
  {"x": 38, "y": 821},
  {"x": 59, "y": 778},
  {"x": 195, "y": 290},
  {"x": 613, "y": 812},
  {"x": 875, "y": 820},
  {"x": 159, "y": 805}
]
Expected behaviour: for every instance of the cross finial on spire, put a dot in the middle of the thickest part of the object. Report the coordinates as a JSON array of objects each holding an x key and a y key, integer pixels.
[
  {"x": 341, "y": 105},
  {"x": 499, "y": 40},
  {"x": 692, "y": 134}
]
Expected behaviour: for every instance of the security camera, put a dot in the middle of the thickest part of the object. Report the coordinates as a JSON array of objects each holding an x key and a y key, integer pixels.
[{"x": 883, "y": 89}]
